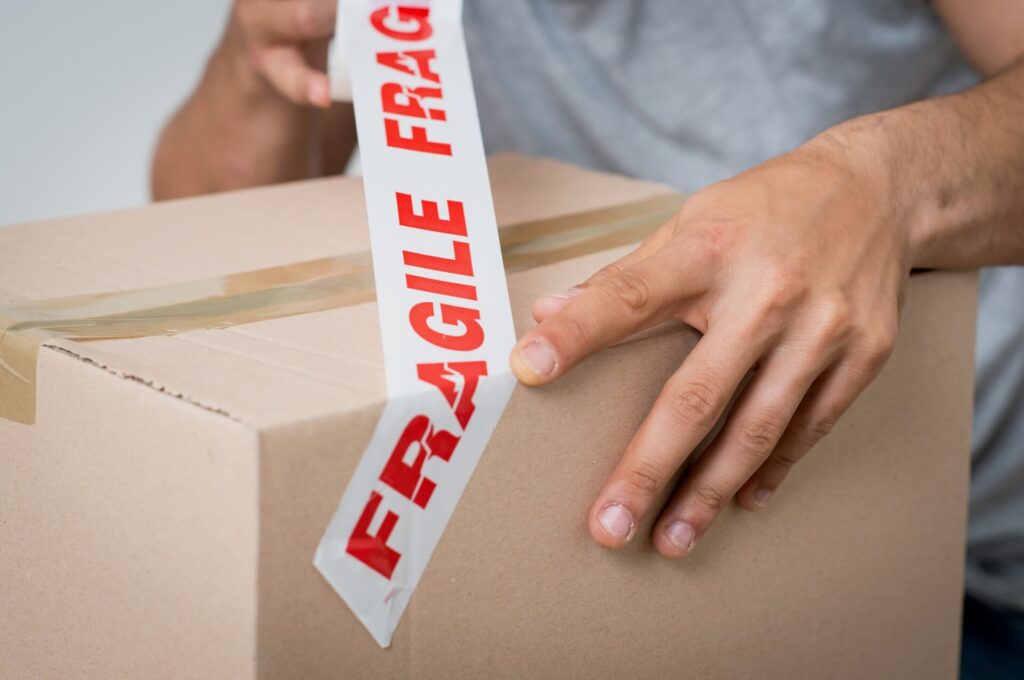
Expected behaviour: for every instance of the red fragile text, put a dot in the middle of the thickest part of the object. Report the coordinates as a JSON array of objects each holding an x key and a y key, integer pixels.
[
  {"x": 408, "y": 105},
  {"x": 447, "y": 321}
]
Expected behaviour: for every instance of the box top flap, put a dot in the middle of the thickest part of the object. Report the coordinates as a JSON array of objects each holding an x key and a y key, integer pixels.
[{"x": 283, "y": 370}]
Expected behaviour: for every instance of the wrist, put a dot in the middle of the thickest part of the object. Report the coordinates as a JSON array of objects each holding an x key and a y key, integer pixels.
[{"x": 878, "y": 151}]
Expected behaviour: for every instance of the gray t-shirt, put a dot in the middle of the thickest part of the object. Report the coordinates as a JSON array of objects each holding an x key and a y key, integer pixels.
[{"x": 687, "y": 92}]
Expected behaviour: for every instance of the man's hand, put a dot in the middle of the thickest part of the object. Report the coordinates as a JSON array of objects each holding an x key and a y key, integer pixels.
[
  {"x": 794, "y": 270},
  {"x": 262, "y": 112},
  {"x": 277, "y": 37}
]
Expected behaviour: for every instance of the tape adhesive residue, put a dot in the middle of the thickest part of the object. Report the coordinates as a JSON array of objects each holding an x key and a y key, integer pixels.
[
  {"x": 445, "y": 318},
  {"x": 276, "y": 292}
]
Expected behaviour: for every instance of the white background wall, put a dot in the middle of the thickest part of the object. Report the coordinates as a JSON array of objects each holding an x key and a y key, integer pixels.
[{"x": 85, "y": 86}]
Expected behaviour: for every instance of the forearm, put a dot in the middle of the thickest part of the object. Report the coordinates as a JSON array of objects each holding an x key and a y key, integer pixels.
[
  {"x": 951, "y": 169},
  {"x": 234, "y": 131}
]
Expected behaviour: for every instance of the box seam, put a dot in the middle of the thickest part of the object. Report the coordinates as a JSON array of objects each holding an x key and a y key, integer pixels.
[{"x": 150, "y": 384}]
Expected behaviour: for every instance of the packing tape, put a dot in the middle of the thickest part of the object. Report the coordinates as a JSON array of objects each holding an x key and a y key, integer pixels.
[
  {"x": 337, "y": 69},
  {"x": 276, "y": 292},
  {"x": 445, "y": 317}
]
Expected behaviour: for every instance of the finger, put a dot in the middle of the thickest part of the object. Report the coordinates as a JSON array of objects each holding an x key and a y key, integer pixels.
[
  {"x": 827, "y": 401},
  {"x": 288, "y": 72},
  {"x": 755, "y": 426},
  {"x": 551, "y": 304},
  {"x": 688, "y": 407},
  {"x": 603, "y": 312},
  {"x": 288, "y": 21}
]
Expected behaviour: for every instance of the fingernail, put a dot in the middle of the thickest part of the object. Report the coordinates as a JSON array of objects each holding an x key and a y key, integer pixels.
[
  {"x": 539, "y": 357},
  {"x": 318, "y": 93},
  {"x": 565, "y": 295},
  {"x": 760, "y": 497},
  {"x": 681, "y": 535},
  {"x": 616, "y": 521}
]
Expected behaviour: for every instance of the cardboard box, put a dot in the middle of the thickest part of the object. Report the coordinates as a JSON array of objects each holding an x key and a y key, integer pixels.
[{"x": 160, "y": 518}]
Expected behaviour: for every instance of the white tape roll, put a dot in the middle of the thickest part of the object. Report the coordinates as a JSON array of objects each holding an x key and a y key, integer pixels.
[
  {"x": 444, "y": 310},
  {"x": 337, "y": 70}
]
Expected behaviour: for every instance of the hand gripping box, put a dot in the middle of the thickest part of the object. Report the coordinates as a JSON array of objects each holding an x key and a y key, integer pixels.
[{"x": 159, "y": 519}]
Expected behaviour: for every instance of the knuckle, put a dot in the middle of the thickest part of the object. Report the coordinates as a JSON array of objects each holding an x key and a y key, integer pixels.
[
  {"x": 606, "y": 272},
  {"x": 784, "y": 460},
  {"x": 877, "y": 347},
  {"x": 759, "y": 435},
  {"x": 711, "y": 239},
  {"x": 709, "y": 497},
  {"x": 644, "y": 478},
  {"x": 812, "y": 429},
  {"x": 821, "y": 426},
  {"x": 835, "y": 320},
  {"x": 782, "y": 289},
  {"x": 693, "y": 405},
  {"x": 671, "y": 228},
  {"x": 629, "y": 289},
  {"x": 785, "y": 285}
]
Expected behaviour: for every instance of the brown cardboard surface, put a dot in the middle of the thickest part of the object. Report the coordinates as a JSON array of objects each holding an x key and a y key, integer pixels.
[
  {"x": 160, "y": 519},
  {"x": 276, "y": 292},
  {"x": 260, "y": 373},
  {"x": 128, "y": 534}
]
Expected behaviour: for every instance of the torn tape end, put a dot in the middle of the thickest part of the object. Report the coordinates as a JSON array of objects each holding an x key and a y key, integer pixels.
[
  {"x": 381, "y": 632},
  {"x": 18, "y": 358}
]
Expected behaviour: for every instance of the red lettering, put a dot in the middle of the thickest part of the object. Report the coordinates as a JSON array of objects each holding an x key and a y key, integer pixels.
[
  {"x": 407, "y": 479},
  {"x": 403, "y": 23},
  {"x": 417, "y": 141},
  {"x": 373, "y": 551},
  {"x": 406, "y": 101},
  {"x": 469, "y": 319},
  {"x": 461, "y": 261},
  {"x": 439, "y": 375},
  {"x": 431, "y": 219},
  {"x": 427, "y": 285},
  {"x": 400, "y": 61}
]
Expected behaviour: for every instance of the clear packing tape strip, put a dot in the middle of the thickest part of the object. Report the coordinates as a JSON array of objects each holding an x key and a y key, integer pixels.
[{"x": 276, "y": 292}]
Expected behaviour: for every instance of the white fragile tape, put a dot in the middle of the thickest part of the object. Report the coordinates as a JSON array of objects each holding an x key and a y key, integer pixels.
[
  {"x": 444, "y": 310},
  {"x": 337, "y": 69}
]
